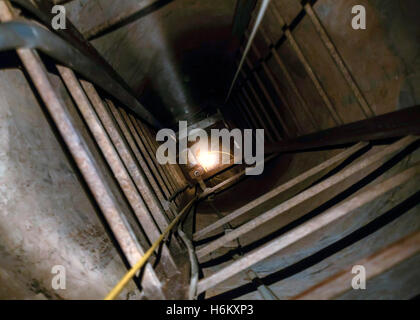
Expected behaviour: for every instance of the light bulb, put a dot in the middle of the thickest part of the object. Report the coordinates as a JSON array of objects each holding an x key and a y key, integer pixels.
[{"x": 207, "y": 159}]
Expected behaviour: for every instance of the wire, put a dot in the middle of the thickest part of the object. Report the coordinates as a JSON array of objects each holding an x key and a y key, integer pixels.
[
  {"x": 131, "y": 273},
  {"x": 194, "y": 269}
]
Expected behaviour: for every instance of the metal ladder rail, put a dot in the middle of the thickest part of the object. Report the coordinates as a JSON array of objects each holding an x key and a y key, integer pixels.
[
  {"x": 311, "y": 198},
  {"x": 117, "y": 216},
  {"x": 329, "y": 217},
  {"x": 300, "y": 182}
]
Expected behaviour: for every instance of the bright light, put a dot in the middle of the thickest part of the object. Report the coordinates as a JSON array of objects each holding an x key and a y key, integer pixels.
[{"x": 208, "y": 160}]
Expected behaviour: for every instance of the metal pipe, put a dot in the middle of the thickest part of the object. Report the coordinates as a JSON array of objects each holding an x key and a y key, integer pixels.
[
  {"x": 42, "y": 10},
  {"x": 25, "y": 34},
  {"x": 289, "y": 79},
  {"x": 139, "y": 157},
  {"x": 257, "y": 23},
  {"x": 143, "y": 151},
  {"x": 390, "y": 125},
  {"x": 302, "y": 58},
  {"x": 88, "y": 103}
]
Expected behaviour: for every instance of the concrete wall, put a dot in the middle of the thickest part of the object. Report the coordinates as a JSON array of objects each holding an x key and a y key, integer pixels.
[{"x": 46, "y": 218}]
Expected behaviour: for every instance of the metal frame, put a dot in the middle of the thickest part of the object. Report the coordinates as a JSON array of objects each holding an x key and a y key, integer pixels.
[
  {"x": 297, "y": 184},
  {"x": 313, "y": 197},
  {"x": 129, "y": 132},
  {"x": 332, "y": 50},
  {"x": 343, "y": 209},
  {"x": 391, "y": 125},
  {"x": 377, "y": 264}
]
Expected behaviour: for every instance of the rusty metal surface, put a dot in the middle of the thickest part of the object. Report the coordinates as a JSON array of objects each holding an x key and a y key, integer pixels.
[
  {"x": 392, "y": 125},
  {"x": 294, "y": 88},
  {"x": 149, "y": 147},
  {"x": 89, "y": 169},
  {"x": 262, "y": 8},
  {"x": 382, "y": 232},
  {"x": 83, "y": 158},
  {"x": 315, "y": 195},
  {"x": 308, "y": 177},
  {"x": 25, "y": 34},
  {"x": 360, "y": 73},
  {"x": 275, "y": 109},
  {"x": 308, "y": 70},
  {"x": 377, "y": 264},
  {"x": 286, "y": 130},
  {"x": 330, "y": 216},
  {"x": 289, "y": 79},
  {"x": 152, "y": 155},
  {"x": 127, "y": 157},
  {"x": 277, "y": 132},
  {"x": 121, "y": 172},
  {"x": 109, "y": 15},
  {"x": 338, "y": 60},
  {"x": 168, "y": 169},
  {"x": 46, "y": 217},
  {"x": 144, "y": 152},
  {"x": 127, "y": 130}
]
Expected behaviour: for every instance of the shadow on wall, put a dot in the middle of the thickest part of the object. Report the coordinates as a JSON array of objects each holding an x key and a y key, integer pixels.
[{"x": 402, "y": 24}]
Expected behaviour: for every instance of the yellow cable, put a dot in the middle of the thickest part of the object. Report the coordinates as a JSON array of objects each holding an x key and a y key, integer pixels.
[{"x": 130, "y": 274}]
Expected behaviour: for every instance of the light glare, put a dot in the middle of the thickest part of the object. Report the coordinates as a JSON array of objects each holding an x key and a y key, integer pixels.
[{"x": 207, "y": 159}]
